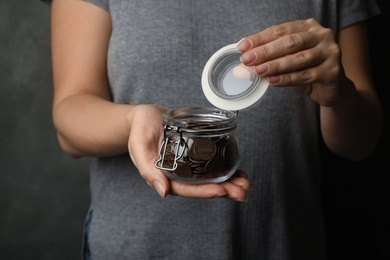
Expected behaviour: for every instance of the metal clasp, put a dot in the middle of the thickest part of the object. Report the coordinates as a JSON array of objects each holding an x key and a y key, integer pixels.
[{"x": 179, "y": 149}]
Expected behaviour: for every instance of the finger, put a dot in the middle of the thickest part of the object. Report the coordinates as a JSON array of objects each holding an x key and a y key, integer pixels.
[
  {"x": 202, "y": 191},
  {"x": 280, "y": 47},
  {"x": 240, "y": 179},
  {"x": 272, "y": 33},
  {"x": 234, "y": 192},
  {"x": 240, "y": 173},
  {"x": 303, "y": 77},
  {"x": 241, "y": 182},
  {"x": 290, "y": 63},
  {"x": 243, "y": 72}
]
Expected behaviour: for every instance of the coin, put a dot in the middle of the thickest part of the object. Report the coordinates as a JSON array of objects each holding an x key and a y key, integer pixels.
[
  {"x": 195, "y": 161},
  {"x": 167, "y": 164},
  {"x": 217, "y": 140},
  {"x": 183, "y": 170},
  {"x": 204, "y": 149},
  {"x": 215, "y": 166},
  {"x": 199, "y": 170},
  {"x": 230, "y": 155}
]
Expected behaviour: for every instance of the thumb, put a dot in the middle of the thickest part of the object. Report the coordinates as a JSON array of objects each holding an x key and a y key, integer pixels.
[{"x": 144, "y": 158}]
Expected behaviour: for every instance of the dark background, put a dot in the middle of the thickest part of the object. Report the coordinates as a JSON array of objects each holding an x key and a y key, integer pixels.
[
  {"x": 44, "y": 194},
  {"x": 357, "y": 195}
]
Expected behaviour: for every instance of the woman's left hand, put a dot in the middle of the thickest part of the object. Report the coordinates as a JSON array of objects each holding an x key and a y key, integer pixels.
[{"x": 300, "y": 54}]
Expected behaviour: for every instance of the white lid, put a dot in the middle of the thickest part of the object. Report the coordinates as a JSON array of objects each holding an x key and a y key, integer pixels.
[{"x": 230, "y": 85}]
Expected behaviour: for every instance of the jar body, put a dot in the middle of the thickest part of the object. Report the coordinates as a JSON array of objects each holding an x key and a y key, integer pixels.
[{"x": 201, "y": 148}]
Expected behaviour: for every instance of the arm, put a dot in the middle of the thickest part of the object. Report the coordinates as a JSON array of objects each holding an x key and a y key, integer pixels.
[
  {"x": 89, "y": 123},
  {"x": 353, "y": 126},
  {"x": 306, "y": 56}
]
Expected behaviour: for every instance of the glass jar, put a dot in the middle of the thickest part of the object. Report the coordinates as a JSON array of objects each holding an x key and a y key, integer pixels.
[{"x": 199, "y": 145}]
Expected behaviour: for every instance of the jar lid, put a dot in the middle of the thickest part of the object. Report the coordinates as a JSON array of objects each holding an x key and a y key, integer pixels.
[{"x": 230, "y": 85}]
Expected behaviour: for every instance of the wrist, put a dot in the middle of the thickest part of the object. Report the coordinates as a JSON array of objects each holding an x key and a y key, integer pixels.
[
  {"x": 343, "y": 95},
  {"x": 349, "y": 94},
  {"x": 129, "y": 115}
]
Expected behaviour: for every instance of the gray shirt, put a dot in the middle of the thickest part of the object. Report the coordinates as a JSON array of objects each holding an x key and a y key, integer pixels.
[{"x": 156, "y": 55}]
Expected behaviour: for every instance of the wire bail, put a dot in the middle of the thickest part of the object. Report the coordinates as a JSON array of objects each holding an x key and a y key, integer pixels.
[{"x": 163, "y": 149}]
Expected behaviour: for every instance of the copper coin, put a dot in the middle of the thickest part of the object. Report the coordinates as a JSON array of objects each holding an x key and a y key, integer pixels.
[
  {"x": 199, "y": 170},
  {"x": 217, "y": 139},
  {"x": 168, "y": 162},
  {"x": 230, "y": 155},
  {"x": 204, "y": 149},
  {"x": 196, "y": 161},
  {"x": 183, "y": 170},
  {"x": 215, "y": 166},
  {"x": 223, "y": 150}
]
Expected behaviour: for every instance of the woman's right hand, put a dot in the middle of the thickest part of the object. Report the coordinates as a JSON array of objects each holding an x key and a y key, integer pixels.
[{"x": 144, "y": 143}]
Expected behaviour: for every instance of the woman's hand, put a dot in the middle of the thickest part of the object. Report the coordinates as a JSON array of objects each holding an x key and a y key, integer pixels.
[
  {"x": 305, "y": 56},
  {"x": 301, "y": 54},
  {"x": 144, "y": 144}
]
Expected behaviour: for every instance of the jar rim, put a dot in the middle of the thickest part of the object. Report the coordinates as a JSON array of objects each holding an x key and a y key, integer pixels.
[{"x": 200, "y": 119}]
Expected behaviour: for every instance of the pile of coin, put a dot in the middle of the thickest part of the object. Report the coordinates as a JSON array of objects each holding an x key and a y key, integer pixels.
[{"x": 203, "y": 157}]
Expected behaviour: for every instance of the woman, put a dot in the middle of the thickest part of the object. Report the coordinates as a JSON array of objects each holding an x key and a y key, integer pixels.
[{"x": 118, "y": 65}]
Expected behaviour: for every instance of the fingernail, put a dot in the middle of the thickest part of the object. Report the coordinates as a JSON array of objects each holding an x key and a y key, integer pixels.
[
  {"x": 274, "y": 79},
  {"x": 222, "y": 194},
  {"x": 247, "y": 188},
  {"x": 241, "y": 200},
  {"x": 248, "y": 57},
  {"x": 159, "y": 188},
  {"x": 244, "y": 45},
  {"x": 243, "y": 72},
  {"x": 263, "y": 68}
]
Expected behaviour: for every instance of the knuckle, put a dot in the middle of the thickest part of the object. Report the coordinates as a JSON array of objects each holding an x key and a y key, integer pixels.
[
  {"x": 277, "y": 30},
  {"x": 333, "y": 54},
  {"x": 274, "y": 66},
  {"x": 301, "y": 58},
  {"x": 336, "y": 51},
  {"x": 255, "y": 38},
  {"x": 265, "y": 51},
  {"x": 328, "y": 34},
  {"x": 334, "y": 72},
  {"x": 307, "y": 75},
  {"x": 312, "y": 21},
  {"x": 291, "y": 41}
]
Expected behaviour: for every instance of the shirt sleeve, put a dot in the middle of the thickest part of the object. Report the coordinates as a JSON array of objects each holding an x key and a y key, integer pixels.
[
  {"x": 355, "y": 11},
  {"x": 101, "y": 3}
]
